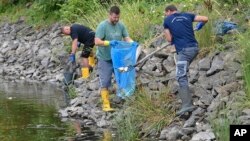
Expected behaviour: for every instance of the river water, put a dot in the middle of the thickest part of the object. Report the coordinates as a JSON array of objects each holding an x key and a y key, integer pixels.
[{"x": 28, "y": 112}]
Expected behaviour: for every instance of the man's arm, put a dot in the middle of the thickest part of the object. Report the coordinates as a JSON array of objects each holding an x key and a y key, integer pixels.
[
  {"x": 99, "y": 36},
  {"x": 203, "y": 19},
  {"x": 74, "y": 46},
  {"x": 168, "y": 35}
]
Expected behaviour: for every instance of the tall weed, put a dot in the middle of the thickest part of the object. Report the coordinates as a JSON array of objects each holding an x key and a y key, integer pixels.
[
  {"x": 244, "y": 44},
  {"x": 73, "y": 10},
  {"x": 137, "y": 16},
  {"x": 206, "y": 36},
  {"x": 222, "y": 120},
  {"x": 144, "y": 114}
]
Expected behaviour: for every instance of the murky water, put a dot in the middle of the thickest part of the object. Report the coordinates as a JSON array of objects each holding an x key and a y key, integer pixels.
[{"x": 28, "y": 112}]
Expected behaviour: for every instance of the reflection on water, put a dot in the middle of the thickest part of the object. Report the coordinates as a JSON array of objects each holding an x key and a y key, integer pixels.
[
  {"x": 28, "y": 112},
  {"x": 40, "y": 93},
  {"x": 87, "y": 134},
  {"x": 26, "y": 120}
]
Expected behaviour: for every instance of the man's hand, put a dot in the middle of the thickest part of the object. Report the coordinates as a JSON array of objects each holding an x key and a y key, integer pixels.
[
  {"x": 72, "y": 58},
  {"x": 199, "y": 25}
]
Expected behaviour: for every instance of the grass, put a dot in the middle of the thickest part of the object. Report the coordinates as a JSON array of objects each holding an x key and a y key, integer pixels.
[
  {"x": 137, "y": 21},
  {"x": 206, "y": 36},
  {"x": 244, "y": 44},
  {"x": 144, "y": 114},
  {"x": 222, "y": 120},
  {"x": 72, "y": 91},
  {"x": 221, "y": 128},
  {"x": 221, "y": 123}
]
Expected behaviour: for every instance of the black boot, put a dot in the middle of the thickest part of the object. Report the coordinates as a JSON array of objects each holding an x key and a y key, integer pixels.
[{"x": 186, "y": 98}]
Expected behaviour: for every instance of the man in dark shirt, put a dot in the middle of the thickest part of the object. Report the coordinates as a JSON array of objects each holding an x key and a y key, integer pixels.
[
  {"x": 179, "y": 32},
  {"x": 80, "y": 34}
]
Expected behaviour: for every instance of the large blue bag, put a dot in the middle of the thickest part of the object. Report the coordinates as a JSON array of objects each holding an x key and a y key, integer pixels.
[
  {"x": 222, "y": 27},
  {"x": 123, "y": 54}
]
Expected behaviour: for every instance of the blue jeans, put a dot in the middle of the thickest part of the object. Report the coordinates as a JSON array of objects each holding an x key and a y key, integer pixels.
[
  {"x": 105, "y": 70},
  {"x": 184, "y": 59}
]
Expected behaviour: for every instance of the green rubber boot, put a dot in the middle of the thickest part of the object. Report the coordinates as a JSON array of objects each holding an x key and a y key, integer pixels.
[{"x": 186, "y": 98}]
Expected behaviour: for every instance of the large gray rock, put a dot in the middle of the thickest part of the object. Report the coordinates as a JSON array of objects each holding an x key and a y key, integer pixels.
[
  {"x": 217, "y": 65},
  {"x": 191, "y": 121},
  {"x": 171, "y": 133},
  {"x": 169, "y": 64},
  {"x": 45, "y": 62},
  {"x": 203, "y": 136},
  {"x": 42, "y": 53},
  {"x": 216, "y": 104},
  {"x": 194, "y": 76},
  {"x": 204, "y": 64}
]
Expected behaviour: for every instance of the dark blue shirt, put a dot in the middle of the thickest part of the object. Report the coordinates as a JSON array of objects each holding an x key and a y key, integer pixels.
[
  {"x": 84, "y": 34},
  {"x": 180, "y": 26}
]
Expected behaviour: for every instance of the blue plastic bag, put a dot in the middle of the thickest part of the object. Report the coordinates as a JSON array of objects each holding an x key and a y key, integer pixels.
[
  {"x": 224, "y": 26},
  {"x": 123, "y": 54}
]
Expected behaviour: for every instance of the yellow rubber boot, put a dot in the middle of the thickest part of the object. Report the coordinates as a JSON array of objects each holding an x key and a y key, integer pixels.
[
  {"x": 91, "y": 59},
  {"x": 105, "y": 101},
  {"x": 107, "y": 135},
  {"x": 85, "y": 72}
]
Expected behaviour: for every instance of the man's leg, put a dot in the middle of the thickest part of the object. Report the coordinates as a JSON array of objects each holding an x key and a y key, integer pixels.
[
  {"x": 105, "y": 69},
  {"x": 86, "y": 67},
  {"x": 184, "y": 59}
]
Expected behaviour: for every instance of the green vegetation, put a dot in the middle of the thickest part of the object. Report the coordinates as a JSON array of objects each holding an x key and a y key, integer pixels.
[
  {"x": 144, "y": 114},
  {"x": 221, "y": 126},
  {"x": 244, "y": 44},
  {"x": 35, "y": 12},
  {"x": 72, "y": 91},
  {"x": 73, "y": 10},
  {"x": 228, "y": 114},
  {"x": 223, "y": 119},
  {"x": 137, "y": 16}
]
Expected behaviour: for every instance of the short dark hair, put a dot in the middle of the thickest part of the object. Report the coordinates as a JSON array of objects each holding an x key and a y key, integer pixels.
[
  {"x": 114, "y": 9},
  {"x": 171, "y": 8},
  {"x": 61, "y": 29}
]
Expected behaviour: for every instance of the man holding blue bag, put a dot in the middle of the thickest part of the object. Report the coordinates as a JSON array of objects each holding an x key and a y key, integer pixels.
[{"x": 106, "y": 32}]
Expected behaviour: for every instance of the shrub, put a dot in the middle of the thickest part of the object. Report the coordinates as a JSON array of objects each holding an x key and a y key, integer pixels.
[
  {"x": 73, "y": 10},
  {"x": 50, "y": 5}
]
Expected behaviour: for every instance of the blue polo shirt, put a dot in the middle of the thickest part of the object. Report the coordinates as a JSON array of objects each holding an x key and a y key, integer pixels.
[{"x": 180, "y": 26}]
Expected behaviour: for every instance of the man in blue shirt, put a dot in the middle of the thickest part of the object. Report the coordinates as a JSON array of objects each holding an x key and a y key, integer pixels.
[{"x": 178, "y": 28}]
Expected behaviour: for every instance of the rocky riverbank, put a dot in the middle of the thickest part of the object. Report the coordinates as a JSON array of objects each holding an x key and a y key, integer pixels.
[{"x": 215, "y": 80}]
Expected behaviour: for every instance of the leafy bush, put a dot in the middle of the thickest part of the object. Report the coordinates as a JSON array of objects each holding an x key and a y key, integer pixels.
[
  {"x": 6, "y": 4},
  {"x": 72, "y": 10},
  {"x": 50, "y": 5}
]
